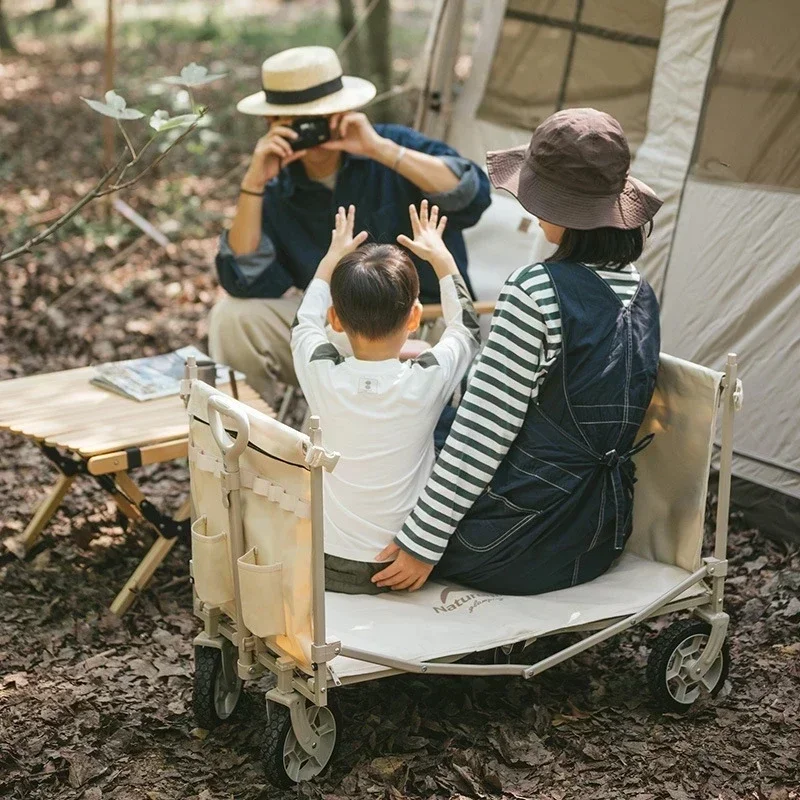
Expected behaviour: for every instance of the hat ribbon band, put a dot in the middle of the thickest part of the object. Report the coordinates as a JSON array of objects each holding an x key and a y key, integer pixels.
[{"x": 299, "y": 96}]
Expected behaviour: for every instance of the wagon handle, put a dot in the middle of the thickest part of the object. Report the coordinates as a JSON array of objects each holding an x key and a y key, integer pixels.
[{"x": 231, "y": 448}]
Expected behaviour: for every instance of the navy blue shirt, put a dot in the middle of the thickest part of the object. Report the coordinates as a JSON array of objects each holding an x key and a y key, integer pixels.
[{"x": 299, "y": 212}]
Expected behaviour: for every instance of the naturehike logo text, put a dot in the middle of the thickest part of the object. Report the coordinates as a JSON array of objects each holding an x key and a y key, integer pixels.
[{"x": 462, "y": 599}]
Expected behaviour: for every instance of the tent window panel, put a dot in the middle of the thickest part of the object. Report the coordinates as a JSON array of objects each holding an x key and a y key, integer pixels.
[
  {"x": 526, "y": 75},
  {"x": 613, "y": 77},
  {"x": 750, "y": 131},
  {"x": 560, "y": 9},
  {"x": 553, "y": 54},
  {"x": 635, "y": 17}
]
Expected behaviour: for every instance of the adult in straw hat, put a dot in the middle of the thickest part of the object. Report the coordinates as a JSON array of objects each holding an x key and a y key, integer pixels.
[
  {"x": 536, "y": 478},
  {"x": 288, "y": 199}
]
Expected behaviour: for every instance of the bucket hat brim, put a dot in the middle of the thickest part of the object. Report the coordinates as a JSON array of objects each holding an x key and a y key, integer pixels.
[
  {"x": 633, "y": 207},
  {"x": 355, "y": 93}
]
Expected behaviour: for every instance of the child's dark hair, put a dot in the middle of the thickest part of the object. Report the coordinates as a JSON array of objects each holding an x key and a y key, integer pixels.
[
  {"x": 612, "y": 248},
  {"x": 374, "y": 289}
]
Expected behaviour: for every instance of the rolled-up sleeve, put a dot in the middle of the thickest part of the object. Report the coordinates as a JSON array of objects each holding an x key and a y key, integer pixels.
[
  {"x": 465, "y": 202},
  {"x": 256, "y": 274},
  {"x": 469, "y": 184}
]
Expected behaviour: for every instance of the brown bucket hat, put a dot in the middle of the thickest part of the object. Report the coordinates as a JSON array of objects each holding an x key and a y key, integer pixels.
[{"x": 574, "y": 173}]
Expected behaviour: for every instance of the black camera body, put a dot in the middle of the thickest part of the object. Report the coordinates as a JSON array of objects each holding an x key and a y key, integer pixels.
[{"x": 311, "y": 131}]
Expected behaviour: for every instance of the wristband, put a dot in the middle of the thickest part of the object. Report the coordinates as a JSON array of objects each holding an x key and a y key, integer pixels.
[
  {"x": 399, "y": 157},
  {"x": 247, "y": 191}
]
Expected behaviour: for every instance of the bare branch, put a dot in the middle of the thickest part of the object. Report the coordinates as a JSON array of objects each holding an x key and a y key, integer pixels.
[
  {"x": 65, "y": 217},
  {"x": 127, "y": 140},
  {"x": 100, "y": 189},
  {"x": 155, "y": 162}
]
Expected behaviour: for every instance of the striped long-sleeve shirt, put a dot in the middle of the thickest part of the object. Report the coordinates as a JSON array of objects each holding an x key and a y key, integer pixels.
[{"x": 524, "y": 342}]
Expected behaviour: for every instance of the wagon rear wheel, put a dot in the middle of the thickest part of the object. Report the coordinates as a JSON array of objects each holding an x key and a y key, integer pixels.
[{"x": 668, "y": 667}]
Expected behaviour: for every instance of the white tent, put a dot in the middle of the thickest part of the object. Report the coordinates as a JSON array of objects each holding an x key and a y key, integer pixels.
[{"x": 709, "y": 94}]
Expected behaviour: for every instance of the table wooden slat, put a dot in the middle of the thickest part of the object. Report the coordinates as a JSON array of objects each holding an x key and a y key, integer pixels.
[{"x": 63, "y": 409}]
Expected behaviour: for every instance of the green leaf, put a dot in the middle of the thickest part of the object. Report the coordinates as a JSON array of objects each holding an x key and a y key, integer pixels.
[
  {"x": 193, "y": 75},
  {"x": 114, "y": 106}
]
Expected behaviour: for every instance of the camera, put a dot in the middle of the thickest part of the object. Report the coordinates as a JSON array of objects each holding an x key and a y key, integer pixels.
[{"x": 311, "y": 131}]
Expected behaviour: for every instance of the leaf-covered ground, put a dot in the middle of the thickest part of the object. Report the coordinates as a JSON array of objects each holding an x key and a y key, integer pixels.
[{"x": 95, "y": 707}]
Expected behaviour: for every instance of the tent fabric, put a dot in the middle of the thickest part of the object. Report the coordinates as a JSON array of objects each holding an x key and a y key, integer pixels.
[
  {"x": 733, "y": 284},
  {"x": 676, "y": 102},
  {"x": 756, "y": 81}
]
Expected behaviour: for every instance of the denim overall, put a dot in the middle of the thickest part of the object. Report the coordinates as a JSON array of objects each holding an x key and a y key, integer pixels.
[{"x": 559, "y": 508}]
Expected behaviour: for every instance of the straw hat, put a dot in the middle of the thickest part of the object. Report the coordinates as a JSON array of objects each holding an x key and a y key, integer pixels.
[
  {"x": 575, "y": 173},
  {"x": 306, "y": 82}
]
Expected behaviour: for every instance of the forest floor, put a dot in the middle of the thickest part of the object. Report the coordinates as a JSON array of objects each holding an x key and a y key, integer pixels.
[{"x": 93, "y": 707}]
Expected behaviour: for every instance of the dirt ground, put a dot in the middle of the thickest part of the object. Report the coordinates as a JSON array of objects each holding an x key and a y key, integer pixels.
[{"x": 95, "y": 707}]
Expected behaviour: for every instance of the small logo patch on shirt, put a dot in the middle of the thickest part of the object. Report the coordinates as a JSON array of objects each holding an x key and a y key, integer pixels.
[{"x": 368, "y": 385}]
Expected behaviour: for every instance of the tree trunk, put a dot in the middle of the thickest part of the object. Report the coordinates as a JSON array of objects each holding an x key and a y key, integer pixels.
[
  {"x": 352, "y": 54},
  {"x": 6, "y": 42},
  {"x": 379, "y": 32}
]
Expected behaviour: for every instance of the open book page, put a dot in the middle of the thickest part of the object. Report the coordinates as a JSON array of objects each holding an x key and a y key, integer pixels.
[{"x": 152, "y": 377}]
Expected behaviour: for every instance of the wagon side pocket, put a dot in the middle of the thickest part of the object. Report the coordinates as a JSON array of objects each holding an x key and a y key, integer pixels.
[
  {"x": 211, "y": 565},
  {"x": 261, "y": 588}
]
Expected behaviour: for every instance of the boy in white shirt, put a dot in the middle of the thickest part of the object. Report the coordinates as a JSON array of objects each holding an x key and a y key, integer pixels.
[{"x": 378, "y": 412}]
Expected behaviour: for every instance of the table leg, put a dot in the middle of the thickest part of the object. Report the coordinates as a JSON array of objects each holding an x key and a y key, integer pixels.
[
  {"x": 142, "y": 575},
  {"x": 155, "y": 556},
  {"x": 44, "y": 513}
]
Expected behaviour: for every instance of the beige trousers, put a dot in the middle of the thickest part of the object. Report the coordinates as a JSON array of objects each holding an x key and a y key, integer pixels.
[{"x": 252, "y": 336}]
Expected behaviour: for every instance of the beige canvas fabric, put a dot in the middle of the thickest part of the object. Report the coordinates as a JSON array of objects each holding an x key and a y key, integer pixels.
[
  {"x": 276, "y": 563},
  {"x": 670, "y": 493}
]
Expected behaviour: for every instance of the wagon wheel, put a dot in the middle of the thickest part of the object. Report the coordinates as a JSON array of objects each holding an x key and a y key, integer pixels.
[
  {"x": 217, "y": 688},
  {"x": 285, "y": 762},
  {"x": 676, "y": 649}
]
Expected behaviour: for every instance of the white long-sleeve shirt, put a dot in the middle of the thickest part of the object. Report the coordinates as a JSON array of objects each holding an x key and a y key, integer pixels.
[{"x": 380, "y": 416}]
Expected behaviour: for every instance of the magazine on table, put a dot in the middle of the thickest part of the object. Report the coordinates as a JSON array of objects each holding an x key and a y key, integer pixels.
[{"x": 153, "y": 377}]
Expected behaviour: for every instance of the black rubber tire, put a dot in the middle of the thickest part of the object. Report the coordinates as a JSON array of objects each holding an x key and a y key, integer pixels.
[
  {"x": 278, "y": 727},
  {"x": 207, "y": 664},
  {"x": 658, "y": 662}
]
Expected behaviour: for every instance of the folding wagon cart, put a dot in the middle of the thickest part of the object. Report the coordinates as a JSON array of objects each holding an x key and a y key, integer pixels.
[{"x": 258, "y": 568}]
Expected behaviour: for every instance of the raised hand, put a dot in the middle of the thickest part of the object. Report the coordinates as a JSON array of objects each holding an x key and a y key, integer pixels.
[
  {"x": 342, "y": 242},
  {"x": 427, "y": 243}
]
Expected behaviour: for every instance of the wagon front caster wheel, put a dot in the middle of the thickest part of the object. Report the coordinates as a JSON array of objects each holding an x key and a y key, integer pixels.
[
  {"x": 217, "y": 688},
  {"x": 285, "y": 761},
  {"x": 676, "y": 649}
]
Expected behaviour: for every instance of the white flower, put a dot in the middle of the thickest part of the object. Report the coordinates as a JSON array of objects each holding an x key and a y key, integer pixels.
[
  {"x": 193, "y": 75},
  {"x": 161, "y": 121},
  {"x": 114, "y": 106}
]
